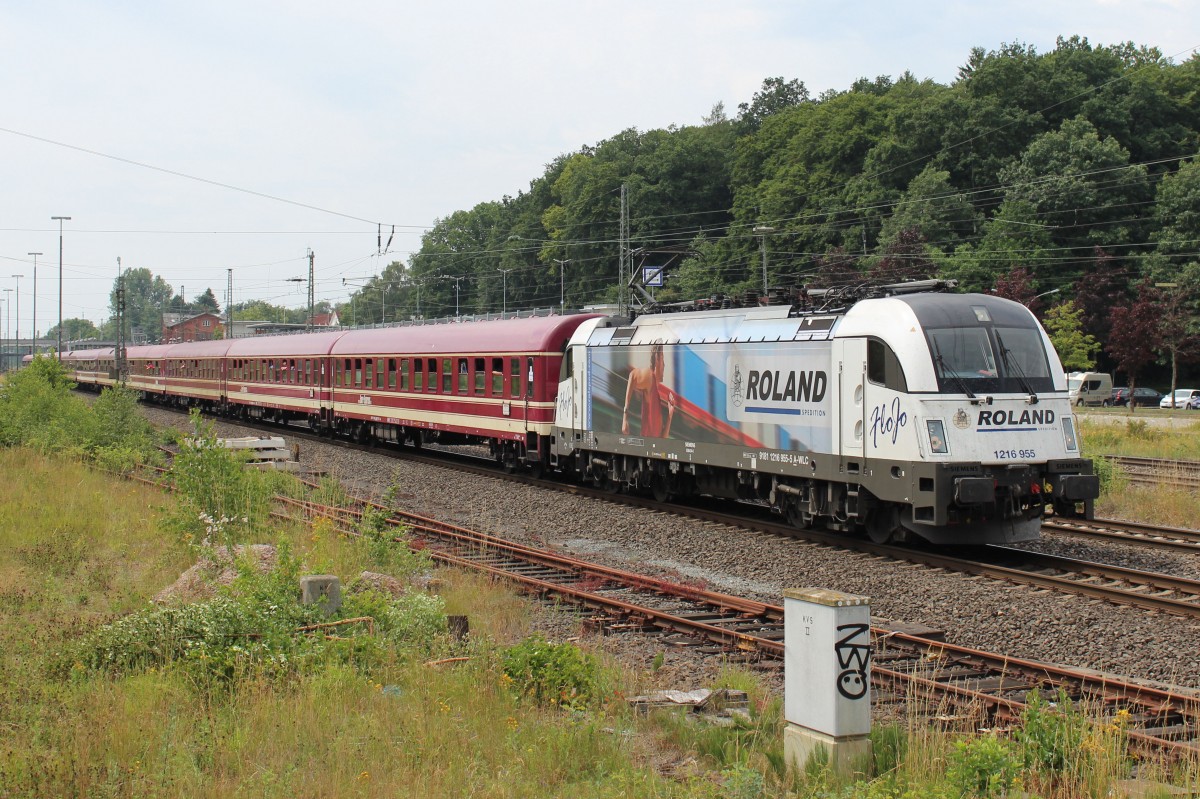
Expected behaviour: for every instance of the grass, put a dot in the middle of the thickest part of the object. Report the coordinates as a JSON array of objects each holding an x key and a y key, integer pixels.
[
  {"x": 405, "y": 710},
  {"x": 1138, "y": 437}
]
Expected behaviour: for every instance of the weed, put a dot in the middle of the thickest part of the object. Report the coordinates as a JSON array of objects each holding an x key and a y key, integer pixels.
[
  {"x": 984, "y": 766},
  {"x": 555, "y": 674}
]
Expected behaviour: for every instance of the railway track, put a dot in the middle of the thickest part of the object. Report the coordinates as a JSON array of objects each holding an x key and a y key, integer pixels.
[
  {"x": 1133, "y": 533},
  {"x": 1158, "y": 471},
  {"x": 987, "y": 687},
  {"x": 1145, "y": 590},
  {"x": 990, "y": 687}
]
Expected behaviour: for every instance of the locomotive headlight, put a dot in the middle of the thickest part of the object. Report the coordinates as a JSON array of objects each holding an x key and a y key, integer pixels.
[
  {"x": 937, "y": 436},
  {"x": 1068, "y": 425}
]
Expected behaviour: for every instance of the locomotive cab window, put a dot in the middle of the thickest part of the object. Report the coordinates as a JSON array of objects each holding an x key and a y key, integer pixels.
[{"x": 883, "y": 367}]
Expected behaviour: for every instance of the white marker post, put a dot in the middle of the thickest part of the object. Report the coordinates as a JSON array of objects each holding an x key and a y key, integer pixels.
[{"x": 827, "y": 677}]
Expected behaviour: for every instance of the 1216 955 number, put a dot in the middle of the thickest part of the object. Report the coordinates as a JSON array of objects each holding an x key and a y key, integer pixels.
[{"x": 1004, "y": 454}]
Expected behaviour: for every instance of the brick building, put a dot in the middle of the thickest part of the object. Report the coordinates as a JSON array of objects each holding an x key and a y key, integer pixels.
[{"x": 201, "y": 327}]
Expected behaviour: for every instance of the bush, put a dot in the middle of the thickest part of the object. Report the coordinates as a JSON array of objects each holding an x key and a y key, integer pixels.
[
  {"x": 555, "y": 674},
  {"x": 985, "y": 766},
  {"x": 220, "y": 500}
]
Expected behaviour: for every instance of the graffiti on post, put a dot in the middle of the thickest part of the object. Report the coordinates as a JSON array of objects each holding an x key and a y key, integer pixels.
[{"x": 854, "y": 656}]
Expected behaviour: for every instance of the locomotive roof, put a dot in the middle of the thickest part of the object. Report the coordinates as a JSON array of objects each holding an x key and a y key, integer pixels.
[{"x": 529, "y": 334}]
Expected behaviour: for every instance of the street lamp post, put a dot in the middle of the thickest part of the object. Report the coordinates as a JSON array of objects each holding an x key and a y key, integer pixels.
[
  {"x": 60, "y": 220},
  {"x": 7, "y": 325},
  {"x": 457, "y": 283},
  {"x": 17, "y": 324},
  {"x": 762, "y": 231},
  {"x": 562, "y": 284},
  {"x": 504, "y": 290},
  {"x": 33, "y": 338}
]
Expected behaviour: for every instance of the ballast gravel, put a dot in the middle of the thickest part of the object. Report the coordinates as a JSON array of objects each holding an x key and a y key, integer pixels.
[{"x": 1018, "y": 621}]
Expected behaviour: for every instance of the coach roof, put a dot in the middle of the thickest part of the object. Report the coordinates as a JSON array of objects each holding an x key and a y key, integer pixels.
[
  {"x": 302, "y": 345},
  {"x": 530, "y": 334}
]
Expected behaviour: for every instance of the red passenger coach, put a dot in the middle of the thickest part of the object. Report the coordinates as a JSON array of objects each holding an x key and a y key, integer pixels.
[
  {"x": 489, "y": 382},
  {"x": 281, "y": 378}
]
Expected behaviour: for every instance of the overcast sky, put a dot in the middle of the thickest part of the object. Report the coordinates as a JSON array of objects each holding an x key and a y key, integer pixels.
[{"x": 307, "y": 123}]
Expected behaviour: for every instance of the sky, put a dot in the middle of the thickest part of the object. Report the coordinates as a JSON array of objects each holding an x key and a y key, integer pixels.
[{"x": 194, "y": 138}]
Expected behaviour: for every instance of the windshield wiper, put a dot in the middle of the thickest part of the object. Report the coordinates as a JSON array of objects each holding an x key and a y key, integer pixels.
[
  {"x": 1012, "y": 364},
  {"x": 946, "y": 371}
]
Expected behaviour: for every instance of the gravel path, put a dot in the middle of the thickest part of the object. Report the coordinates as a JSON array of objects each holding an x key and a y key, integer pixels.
[{"x": 1018, "y": 621}]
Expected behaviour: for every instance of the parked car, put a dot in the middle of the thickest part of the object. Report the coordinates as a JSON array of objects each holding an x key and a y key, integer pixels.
[
  {"x": 1194, "y": 403},
  {"x": 1182, "y": 398},
  {"x": 1147, "y": 397}
]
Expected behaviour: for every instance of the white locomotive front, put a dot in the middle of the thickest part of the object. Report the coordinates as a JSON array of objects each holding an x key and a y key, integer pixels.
[{"x": 923, "y": 412}]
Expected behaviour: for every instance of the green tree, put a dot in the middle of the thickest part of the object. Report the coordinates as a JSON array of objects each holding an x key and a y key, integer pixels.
[
  {"x": 146, "y": 298},
  {"x": 1177, "y": 213},
  {"x": 206, "y": 302},
  {"x": 1076, "y": 349},
  {"x": 933, "y": 209},
  {"x": 1083, "y": 187},
  {"x": 75, "y": 330}
]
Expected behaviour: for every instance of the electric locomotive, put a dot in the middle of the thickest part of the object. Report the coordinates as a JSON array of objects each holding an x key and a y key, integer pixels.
[{"x": 908, "y": 411}]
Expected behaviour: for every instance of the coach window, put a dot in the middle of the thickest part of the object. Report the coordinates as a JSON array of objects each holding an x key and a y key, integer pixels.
[
  {"x": 369, "y": 371},
  {"x": 497, "y": 377},
  {"x": 462, "y": 375},
  {"x": 446, "y": 375},
  {"x": 391, "y": 366},
  {"x": 358, "y": 374},
  {"x": 529, "y": 380},
  {"x": 514, "y": 370},
  {"x": 418, "y": 375},
  {"x": 883, "y": 367},
  {"x": 404, "y": 374},
  {"x": 480, "y": 375}
]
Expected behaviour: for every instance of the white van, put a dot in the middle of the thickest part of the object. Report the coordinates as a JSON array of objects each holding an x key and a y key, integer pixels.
[{"x": 1090, "y": 388}]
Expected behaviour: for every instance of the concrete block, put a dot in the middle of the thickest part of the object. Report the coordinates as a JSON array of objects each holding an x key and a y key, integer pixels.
[{"x": 322, "y": 589}]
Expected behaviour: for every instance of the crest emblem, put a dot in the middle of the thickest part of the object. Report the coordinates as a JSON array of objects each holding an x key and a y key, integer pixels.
[
  {"x": 962, "y": 419},
  {"x": 735, "y": 387}
]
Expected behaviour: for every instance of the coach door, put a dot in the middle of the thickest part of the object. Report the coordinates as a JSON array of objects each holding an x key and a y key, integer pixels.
[{"x": 850, "y": 358}]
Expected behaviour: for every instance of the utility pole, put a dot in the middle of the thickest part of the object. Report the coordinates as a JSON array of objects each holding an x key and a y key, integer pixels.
[
  {"x": 504, "y": 290},
  {"x": 562, "y": 284},
  {"x": 7, "y": 326},
  {"x": 122, "y": 371},
  {"x": 310, "y": 290},
  {"x": 33, "y": 340},
  {"x": 762, "y": 231},
  {"x": 60, "y": 220},
  {"x": 623, "y": 256},
  {"x": 229, "y": 303},
  {"x": 17, "y": 326}
]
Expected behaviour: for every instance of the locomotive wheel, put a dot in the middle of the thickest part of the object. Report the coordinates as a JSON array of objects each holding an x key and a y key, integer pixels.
[
  {"x": 882, "y": 524},
  {"x": 661, "y": 489},
  {"x": 795, "y": 516}
]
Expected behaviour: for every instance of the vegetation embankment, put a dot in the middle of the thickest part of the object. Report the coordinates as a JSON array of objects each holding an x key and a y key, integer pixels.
[
  {"x": 1137, "y": 437},
  {"x": 237, "y": 690}
]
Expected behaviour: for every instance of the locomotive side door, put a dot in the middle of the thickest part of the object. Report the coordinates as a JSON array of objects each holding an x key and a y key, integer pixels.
[{"x": 850, "y": 360}]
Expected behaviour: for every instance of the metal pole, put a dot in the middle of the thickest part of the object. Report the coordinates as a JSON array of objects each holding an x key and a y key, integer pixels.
[
  {"x": 17, "y": 340},
  {"x": 762, "y": 231},
  {"x": 33, "y": 339},
  {"x": 60, "y": 220},
  {"x": 562, "y": 284},
  {"x": 7, "y": 325},
  {"x": 503, "y": 290}
]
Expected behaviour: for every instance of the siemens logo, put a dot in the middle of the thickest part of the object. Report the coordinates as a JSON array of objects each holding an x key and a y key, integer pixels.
[
  {"x": 777, "y": 386},
  {"x": 1026, "y": 416}
]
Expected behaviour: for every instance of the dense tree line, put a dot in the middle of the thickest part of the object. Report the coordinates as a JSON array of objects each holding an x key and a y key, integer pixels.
[{"x": 1064, "y": 179}]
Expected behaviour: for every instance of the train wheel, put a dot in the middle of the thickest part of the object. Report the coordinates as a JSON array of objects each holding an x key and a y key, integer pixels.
[
  {"x": 882, "y": 524},
  {"x": 661, "y": 489}
]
